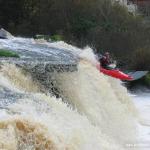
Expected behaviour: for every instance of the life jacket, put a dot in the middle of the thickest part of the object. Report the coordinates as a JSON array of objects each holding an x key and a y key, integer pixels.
[{"x": 104, "y": 61}]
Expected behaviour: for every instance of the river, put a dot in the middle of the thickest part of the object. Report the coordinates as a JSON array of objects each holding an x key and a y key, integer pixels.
[{"x": 83, "y": 110}]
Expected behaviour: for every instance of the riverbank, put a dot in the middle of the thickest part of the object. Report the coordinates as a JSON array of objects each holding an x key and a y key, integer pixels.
[{"x": 124, "y": 34}]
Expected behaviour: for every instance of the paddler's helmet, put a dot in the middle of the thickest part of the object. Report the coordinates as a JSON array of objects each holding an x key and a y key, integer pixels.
[{"x": 106, "y": 53}]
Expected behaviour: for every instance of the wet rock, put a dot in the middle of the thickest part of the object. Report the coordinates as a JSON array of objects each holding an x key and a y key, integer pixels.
[{"x": 5, "y": 34}]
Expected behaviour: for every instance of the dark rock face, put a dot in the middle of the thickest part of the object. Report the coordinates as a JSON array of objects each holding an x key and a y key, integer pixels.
[
  {"x": 42, "y": 72},
  {"x": 5, "y": 34}
]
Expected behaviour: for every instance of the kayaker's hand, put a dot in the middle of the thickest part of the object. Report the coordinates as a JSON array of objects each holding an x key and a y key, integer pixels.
[{"x": 113, "y": 66}]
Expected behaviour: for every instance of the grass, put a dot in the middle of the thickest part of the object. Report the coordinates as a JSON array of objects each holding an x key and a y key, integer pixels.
[
  {"x": 49, "y": 38},
  {"x": 8, "y": 53}
]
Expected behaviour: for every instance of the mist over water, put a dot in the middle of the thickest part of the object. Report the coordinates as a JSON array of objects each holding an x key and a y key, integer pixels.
[{"x": 92, "y": 111}]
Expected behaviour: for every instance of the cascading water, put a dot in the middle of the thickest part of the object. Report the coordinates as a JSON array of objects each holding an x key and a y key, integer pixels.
[
  {"x": 95, "y": 96},
  {"x": 93, "y": 111}
]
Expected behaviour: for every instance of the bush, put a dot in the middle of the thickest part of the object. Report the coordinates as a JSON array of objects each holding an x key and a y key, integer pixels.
[
  {"x": 49, "y": 38},
  {"x": 140, "y": 59},
  {"x": 56, "y": 37},
  {"x": 7, "y": 53},
  {"x": 147, "y": 80}
]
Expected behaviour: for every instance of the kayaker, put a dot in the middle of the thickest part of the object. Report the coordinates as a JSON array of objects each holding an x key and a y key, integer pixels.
[{"x": 105, "y": 60}]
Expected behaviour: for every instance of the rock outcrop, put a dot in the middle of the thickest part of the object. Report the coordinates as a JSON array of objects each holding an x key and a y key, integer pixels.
[{"x": 5, "y": 34}]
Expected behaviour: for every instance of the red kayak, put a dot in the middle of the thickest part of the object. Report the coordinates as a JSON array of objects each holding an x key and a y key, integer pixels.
[{"x": 115, "y": 73}]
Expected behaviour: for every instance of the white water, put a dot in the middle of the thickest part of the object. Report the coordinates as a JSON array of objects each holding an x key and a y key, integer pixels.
[
  {"x": 142, "y": 102},
  {"x": 96, "y": 112}
]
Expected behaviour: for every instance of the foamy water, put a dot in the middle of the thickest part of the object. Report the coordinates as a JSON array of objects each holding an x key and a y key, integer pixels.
[
  {"x": 44, "y": 122},
  {"x": 94, "y": 111},
  {"x": 142, "y": 102}
]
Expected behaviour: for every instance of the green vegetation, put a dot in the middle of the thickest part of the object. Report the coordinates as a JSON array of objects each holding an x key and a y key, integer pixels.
[
  {"x": 56, "y": 38},
  {"x": 141, "y": 59},
  {"x": 147, "y": 80},
  {"x": 101, "y": 24},
  {"x": 7, "y": 53}
]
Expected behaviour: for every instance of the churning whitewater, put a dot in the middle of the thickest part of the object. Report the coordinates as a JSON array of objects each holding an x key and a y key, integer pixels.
[{"x": 90, "y": 111}]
